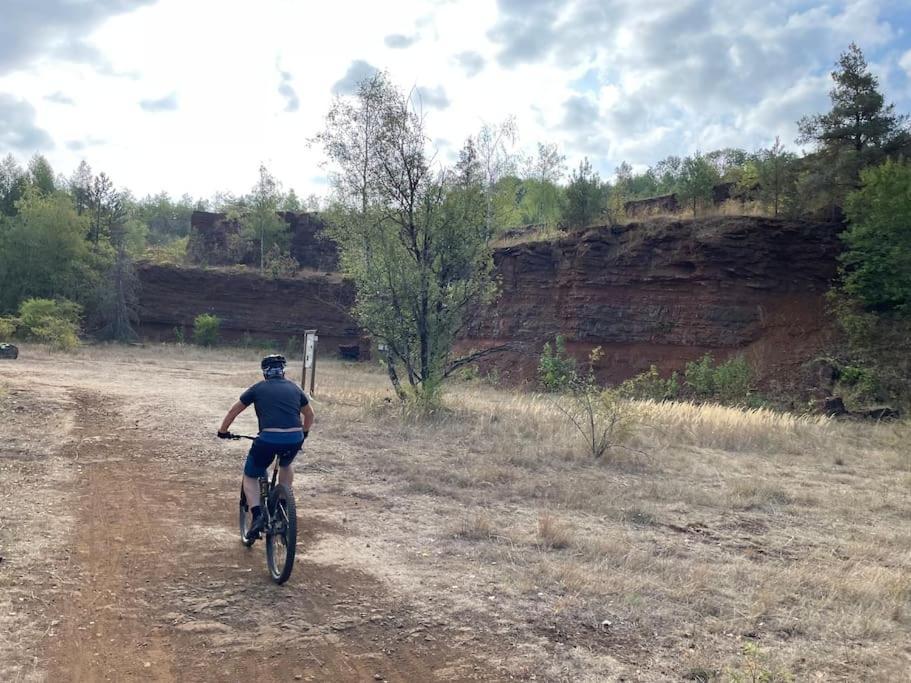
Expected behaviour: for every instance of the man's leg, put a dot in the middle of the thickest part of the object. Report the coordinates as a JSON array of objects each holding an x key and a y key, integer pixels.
[
  {"x": 286, "y": 475},
  {"x": 253, "y": 469},
  {"x": 251, "y": 491}
]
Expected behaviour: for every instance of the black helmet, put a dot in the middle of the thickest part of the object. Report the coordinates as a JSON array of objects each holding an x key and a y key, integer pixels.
[{"x": 273, "y": 361}]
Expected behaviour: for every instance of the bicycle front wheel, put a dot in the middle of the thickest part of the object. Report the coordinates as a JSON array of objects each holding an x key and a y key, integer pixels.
[{"x": 281, "y": 538}]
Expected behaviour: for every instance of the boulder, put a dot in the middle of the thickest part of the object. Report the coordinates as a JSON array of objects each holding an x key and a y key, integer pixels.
[{"x": 9, "y": 351}]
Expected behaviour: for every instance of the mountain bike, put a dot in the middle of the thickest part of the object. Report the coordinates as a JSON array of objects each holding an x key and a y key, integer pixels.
[{"x": 277, "y": 502}]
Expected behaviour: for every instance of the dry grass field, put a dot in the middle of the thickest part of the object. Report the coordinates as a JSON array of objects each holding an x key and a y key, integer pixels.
[{"x": 719, "y": 545}]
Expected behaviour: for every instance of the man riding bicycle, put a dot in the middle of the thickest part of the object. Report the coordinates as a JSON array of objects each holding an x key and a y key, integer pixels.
[{"x": 279, "y": 404}]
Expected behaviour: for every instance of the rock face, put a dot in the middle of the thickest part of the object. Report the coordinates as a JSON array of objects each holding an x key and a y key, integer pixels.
[
  {"x": 665, "y": 293},
  {"x": 247, "y": 303},
  {"x": 657, "y": 292},
  {"x": 215, "y": 241}
]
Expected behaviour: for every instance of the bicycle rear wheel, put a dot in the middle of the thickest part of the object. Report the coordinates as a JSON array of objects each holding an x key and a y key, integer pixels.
[
  {"x": 281, "y": 539},
  {"x": 244, "y": 519}
]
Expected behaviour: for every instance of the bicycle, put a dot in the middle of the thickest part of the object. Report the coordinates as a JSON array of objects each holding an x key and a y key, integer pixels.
[{"x": 281, "y": 522}]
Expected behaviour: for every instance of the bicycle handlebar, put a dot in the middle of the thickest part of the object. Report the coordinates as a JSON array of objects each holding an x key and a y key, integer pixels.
[{"x": 237, "y": 437}]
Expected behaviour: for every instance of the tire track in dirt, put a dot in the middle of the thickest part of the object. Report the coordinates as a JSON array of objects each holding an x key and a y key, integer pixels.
[{"x": 167, "y": 592}]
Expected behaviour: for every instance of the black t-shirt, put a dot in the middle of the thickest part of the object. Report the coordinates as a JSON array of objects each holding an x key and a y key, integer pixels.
[{"x": 278, "y": 403}]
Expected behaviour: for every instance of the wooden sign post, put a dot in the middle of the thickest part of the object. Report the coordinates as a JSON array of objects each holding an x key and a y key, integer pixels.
[{"x": 309, "y": 352}]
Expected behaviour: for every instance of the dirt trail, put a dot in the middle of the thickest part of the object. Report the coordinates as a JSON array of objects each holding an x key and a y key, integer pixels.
[{"x": 158, "y": 588}]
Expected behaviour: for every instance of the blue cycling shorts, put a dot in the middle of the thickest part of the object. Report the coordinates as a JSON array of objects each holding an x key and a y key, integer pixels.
[{"x": 268, "y": 445}]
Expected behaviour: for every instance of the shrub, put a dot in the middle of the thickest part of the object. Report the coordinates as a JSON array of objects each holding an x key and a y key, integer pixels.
[
  {"x": 280, "y": 264},
  {"x": 556, "y": 368},
  {"x": 7, "y": 328},
  {"x": 54, "y": 322},
  {"x": 734, "y": 381},
  {"x": 729, "y": 383},
  {"x": 700, "y": 377},
  {"x": 600, "y": 416},
  {"x": 650, "y": 386},
  {"x": 205, "y": 329}
]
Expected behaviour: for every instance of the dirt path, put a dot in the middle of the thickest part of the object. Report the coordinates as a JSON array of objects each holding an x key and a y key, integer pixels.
[{"x": 157, "y": 587}]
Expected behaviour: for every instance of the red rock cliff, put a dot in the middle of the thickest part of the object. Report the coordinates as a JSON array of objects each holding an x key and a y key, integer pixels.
[
  {"x": 660, "y": 293},
  {"x": 664, "y": 293},
  {"x": 247, "y": 303}
]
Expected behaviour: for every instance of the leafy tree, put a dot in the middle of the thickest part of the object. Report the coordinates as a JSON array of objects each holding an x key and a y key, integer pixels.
[
  {"x": 104, "y": 207},
  {"x": 497, "y": 158},
  {"x": 43, "y": 252},
  {"x": 351, "y": 134},
  {"x": 13, "y": 183},
  {"x": 165, "y": 218},
  {"x": 548, "y": 166},
  {"x": 261, "y": 221},
  {"x": 776, "y": 175},
  {"x": 416, "y": 250},
  {"x": 80, "y": 187},
  {"x": 41, "y": 175},
  {"x": 876, "y": 267},
  {"x": 291, "y": 202},
  {"x": 119, "y": 300},
  {"x": 859, "y": 131},
  {"x": 698, "y": 177},
  {"x": 53, "y": 321},
  {"x": 541, "y": 202},
  {"x": 620, "y": 192},
  {"x": 584, "y": 196},
  {"x": 728, "y": 162},
  {"x": 667, "y": 173}
]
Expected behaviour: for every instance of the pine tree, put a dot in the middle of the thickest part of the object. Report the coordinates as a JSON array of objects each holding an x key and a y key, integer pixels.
[{"x": 859, "y": 131}]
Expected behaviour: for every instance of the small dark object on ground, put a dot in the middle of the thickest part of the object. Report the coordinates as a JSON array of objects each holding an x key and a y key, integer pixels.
[
  {"x": 879, "y": 413},
  {"x": 834, "y": 405},
  {"x": 349, "y": 351},
  {"x": 9, "y": 351}
]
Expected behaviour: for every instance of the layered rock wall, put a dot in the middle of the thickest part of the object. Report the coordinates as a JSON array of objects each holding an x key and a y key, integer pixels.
[
  {"x": 247, "y": 303},
  {"x": 664, "y": 293},
  {"x": 658, "y": 292}
]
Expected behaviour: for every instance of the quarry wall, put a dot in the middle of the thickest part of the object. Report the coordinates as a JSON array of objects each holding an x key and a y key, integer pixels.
[{"x": 659, "y": 292}]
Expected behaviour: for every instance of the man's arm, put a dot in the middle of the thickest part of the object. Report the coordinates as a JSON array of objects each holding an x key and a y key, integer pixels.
[
  {"x": 236, "y": 410},
  {"x": 307, "y": 412}
]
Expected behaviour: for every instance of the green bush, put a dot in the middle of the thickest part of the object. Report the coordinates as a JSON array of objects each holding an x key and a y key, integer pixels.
[
  {"x": 650, "y": 386},
  {"x": 54, "y": 322},
  {"x": 205, "y": 329},
  {"x": 555, "y": 368},
  {"x": 734, "y": 381},
  {"x": 700, "y": 377},
  {"x": 729, "y": 383},
  {"x": 7, "y": 328}
]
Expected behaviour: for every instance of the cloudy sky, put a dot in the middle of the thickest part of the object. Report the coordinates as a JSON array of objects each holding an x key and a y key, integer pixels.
[{"x": 191, "y": 95}]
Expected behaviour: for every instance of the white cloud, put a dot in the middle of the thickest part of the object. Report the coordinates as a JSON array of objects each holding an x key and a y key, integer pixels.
[
  {"x": 251, "y": 82},
  {"x": 905, "y": 63}
]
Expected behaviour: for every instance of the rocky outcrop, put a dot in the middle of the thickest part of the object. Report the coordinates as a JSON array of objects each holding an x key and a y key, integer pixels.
[
  {"x": 215, "y": 240},
  {"x": 247, "y": 303},
  {"x": 665, "y": 293},
  {"x": 653, "y": 293}
]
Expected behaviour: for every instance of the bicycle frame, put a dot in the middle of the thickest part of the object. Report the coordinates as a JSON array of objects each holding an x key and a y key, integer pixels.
[{"x": 265, "y": 486}]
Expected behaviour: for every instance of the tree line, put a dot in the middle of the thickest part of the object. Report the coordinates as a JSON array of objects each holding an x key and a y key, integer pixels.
[{"x": 415, "y": 235}]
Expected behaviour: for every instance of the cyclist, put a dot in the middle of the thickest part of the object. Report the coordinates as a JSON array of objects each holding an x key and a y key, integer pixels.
[{"x": 279, "y": 404}]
